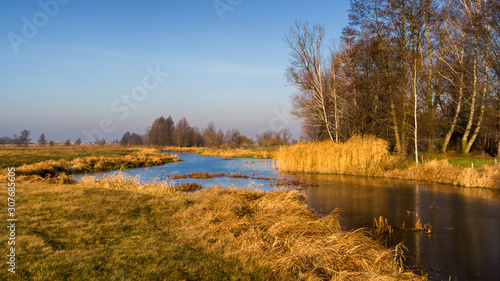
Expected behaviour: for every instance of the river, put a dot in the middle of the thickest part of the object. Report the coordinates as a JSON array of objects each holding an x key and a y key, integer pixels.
[{"x": 465, "y": 243}]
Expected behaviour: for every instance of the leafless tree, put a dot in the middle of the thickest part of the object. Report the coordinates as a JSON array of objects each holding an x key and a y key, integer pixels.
[{"x": 307, "y": 74}]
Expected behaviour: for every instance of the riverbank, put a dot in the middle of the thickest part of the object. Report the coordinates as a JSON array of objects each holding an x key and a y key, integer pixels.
[
  {"x": 66, "y": 161},
  {"x": 126, "y": 230},
  {"x": 261, "y": 152},
  {"x": 15, "y": 156},
  {"x": 369, "y": 156}
]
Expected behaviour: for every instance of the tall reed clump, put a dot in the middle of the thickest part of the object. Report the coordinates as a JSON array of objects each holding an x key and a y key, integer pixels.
[
  {"x": 357, "y": 156},
  {"x": 277, "y": 231}
]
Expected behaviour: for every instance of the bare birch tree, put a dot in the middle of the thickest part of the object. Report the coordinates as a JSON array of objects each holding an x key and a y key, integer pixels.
[
  {"x": 474, "y": 12},
  {"x": 306, "y": 73}
]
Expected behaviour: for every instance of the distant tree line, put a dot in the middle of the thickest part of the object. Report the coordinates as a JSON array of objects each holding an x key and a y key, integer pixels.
[
  {"x": 274, "y": 137},
  {"x": 21, "y": 140},
  {"x": 422, "y": 74},
  {"x": 24, "y": 140},
  {"x": 165, "y": 132}
]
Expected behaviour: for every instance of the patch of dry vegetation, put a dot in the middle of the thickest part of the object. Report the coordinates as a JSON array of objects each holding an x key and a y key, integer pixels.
[
  {"x": 368, "y": 156},
  {"x": 181, "y": 149},
  {"x": 443, "y": 172},
  {"x": 119, "y": 229},
  {"x": 357, "y": 156},
  {"x": 127, "y": 183},
  {"x": 277, "y": 231},
  {"x": 262, "y": 152},
  {"x": 15, "y": 156},
  {"x": 57, "y": 170},
  {"x": 250, "y": 152},
  {"x": 71, "y": 232}
]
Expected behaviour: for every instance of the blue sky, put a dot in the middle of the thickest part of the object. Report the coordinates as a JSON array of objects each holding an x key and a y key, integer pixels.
[{"x": 67, "y": 66}]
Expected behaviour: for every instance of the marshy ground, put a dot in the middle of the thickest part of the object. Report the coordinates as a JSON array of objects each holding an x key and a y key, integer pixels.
[
  {"x": 117, "y": 228},
  {"x": 122, "y": 231}
]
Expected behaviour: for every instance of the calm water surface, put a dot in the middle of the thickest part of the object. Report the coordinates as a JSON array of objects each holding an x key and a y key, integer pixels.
[{"x": 466, "y": 245}]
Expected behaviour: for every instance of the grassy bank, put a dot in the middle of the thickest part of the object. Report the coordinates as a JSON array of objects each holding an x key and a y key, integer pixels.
[
  {"x": 15, "y": 156},
  {"x": 443, "y": 172},
  {"x": 120, "y": 231},
  {"x": 458, "y": 160},
  {"x": 370, "y": 157},
  {"x": 57, "y": 170},
  {"x": 262, "y": 152}
]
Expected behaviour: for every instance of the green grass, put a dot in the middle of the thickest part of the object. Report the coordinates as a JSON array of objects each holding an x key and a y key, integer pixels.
[
  {"x": 15, "y": 156},
  {"x": 461, "y": 161}
]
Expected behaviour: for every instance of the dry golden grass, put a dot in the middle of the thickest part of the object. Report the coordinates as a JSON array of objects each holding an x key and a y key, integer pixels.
[
  {"x": 277, "y": 231},
  {"x": 443, "y": 172},
  {"x": 273, "y": 230},
  {"x": 117, "y": 228},
  {"x": 15, "y": 156},
  {"x": 57, "y": 170},
  {"x": 121, "y": 182},
  {"x": 257, "y": 152},
  {"x": 71, "y": 232},
  {"x": 262, "y": 152},
  {"x": 368, "y": 156},
  {"x": 181, "y": 149},
  {"x": 228, "y": 152},
  {"x": 359, "y": 155}
]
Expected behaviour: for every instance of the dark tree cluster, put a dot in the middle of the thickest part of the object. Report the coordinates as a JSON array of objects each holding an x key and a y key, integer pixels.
[
  {"x": 269, "y": 137},
  {"x": 131, "y": 139},
  {"x": 423, "y": 74},
  {"x": 20, "y": 140},
  {"x": 163, "y": 132}
]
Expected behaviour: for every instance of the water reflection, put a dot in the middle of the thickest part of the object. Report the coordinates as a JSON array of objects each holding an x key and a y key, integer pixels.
[
  {"x": 197, "y": 163},
  {"x": 467, "y": 243}
]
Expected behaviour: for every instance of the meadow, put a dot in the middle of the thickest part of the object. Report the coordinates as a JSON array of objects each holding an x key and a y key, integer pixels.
[
  {"x": 55, "y": 164},
  {"x": 121, "y": 230},
  {"x": 15, "y": 156},
  {"x": 117, "y": 228}
]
